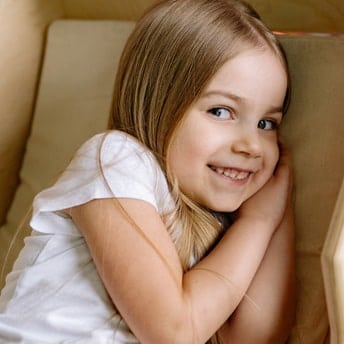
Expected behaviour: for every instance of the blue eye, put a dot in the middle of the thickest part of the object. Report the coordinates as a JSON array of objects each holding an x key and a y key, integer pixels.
[
  {"x": 267, "y": 124},
  {"x": 221, "y": 113}
]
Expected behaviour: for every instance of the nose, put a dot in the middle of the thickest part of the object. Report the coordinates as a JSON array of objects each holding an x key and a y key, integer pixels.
[{"x": 248, "y": 143}]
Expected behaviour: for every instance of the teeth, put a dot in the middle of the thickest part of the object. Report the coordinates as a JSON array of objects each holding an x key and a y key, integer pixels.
[
  {"x": 231, "y": 173},
  {"x": 242, "y": 175},
  {"x": 220, "y": 170}
]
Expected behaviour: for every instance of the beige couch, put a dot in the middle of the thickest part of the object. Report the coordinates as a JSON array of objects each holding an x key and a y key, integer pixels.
[{"x": 56, "y": 83}]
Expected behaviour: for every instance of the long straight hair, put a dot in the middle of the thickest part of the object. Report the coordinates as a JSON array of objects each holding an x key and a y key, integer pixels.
[
  {"x": 175, "y": 49},
  {"x": 170, "y": 57}
]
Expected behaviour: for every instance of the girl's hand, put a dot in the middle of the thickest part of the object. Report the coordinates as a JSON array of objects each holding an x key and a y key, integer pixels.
[{"x": 270, "y": 202}]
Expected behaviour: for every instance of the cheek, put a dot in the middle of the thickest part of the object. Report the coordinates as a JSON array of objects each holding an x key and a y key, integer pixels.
[
  {"x": 273, "y": 158},
  {"x": 270, "y": 162},
  {"x": 180, "y": 158}
]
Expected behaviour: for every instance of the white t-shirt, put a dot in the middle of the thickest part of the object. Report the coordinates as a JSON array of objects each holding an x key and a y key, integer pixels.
[{"x": 54, "y": 293}]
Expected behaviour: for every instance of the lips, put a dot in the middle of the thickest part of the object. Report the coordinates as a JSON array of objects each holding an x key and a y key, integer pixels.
[{"x": 233, "y": 173}]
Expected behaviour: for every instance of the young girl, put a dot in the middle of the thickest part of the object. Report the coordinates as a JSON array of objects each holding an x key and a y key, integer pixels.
[{"x": 176, "y": 225}]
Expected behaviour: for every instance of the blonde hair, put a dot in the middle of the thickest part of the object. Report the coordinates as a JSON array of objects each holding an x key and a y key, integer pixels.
[{"x": 174, "y": 51}]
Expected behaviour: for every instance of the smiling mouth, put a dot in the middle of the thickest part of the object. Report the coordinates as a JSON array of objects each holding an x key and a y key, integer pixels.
[{"x": 232, "y": 173}]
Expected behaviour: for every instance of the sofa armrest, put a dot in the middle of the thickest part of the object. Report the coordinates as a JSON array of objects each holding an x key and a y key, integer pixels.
[{"x": 332, "y": 261}]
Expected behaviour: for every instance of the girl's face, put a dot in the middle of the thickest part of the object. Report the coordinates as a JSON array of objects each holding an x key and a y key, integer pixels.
[{"x": 226, "y": 147}]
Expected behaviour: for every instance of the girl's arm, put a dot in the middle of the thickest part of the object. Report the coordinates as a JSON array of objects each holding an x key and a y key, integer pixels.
[
  {"x": 140, "y": 268},
  {"x": 266, "y": 315},
  {"x": 142, "y": 273}
]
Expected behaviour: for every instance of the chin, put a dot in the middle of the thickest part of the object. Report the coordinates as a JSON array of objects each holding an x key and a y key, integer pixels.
[{"x": 228, "y": 208}]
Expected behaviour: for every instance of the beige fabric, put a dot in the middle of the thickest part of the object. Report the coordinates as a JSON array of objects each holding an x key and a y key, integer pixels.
[
  {"x": 291, "y": 15},
  {"x": 74, "y": 101},
  {"x": 314, "y": 128},
  {"x": 302, "y": 15},
  {"x": 333, "y": 271},
  {"x": 90, "y": 9},
  {"x": 20, "y": 56}
]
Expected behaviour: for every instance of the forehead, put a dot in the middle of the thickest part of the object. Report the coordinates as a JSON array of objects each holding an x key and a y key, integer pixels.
[{"x": 254, "y": 75}]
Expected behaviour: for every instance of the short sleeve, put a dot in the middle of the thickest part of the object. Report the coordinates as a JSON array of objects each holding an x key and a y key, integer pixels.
[{"x": 109, "y": 165}]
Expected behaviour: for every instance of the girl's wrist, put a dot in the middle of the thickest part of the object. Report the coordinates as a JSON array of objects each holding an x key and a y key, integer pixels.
[{"x": 258, "y": 222}]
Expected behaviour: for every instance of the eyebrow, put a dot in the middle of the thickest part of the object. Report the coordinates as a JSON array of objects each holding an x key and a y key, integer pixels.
[
  {"x": 238, "y": 99},
  {"x": 228, "y": 95}
]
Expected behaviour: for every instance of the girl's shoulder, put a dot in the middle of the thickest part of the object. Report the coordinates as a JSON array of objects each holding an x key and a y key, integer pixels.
[
  {"x": 112, "y": 164},
  {"x": 111, "y": 143},
  {"x": 114, "y": 152}
]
